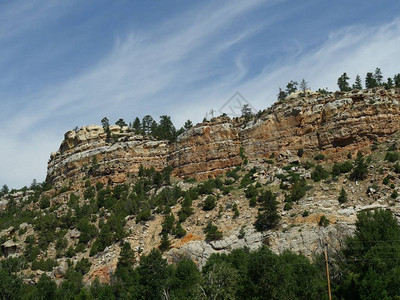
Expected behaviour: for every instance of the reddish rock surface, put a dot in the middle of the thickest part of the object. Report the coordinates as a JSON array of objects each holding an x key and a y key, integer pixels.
[{"x": 334, "y": 124}]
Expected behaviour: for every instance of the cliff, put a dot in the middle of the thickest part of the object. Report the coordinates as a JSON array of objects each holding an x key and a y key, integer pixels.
[
  {"x": 79, "y": 215},
  {"x": 334, "y": 124}
]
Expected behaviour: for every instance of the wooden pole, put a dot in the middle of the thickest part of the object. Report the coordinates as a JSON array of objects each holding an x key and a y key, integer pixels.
[{"x": 327, "y": 271}]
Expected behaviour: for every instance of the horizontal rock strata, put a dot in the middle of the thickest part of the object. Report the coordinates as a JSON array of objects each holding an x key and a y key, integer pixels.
[{"x": 334, "y": 124}]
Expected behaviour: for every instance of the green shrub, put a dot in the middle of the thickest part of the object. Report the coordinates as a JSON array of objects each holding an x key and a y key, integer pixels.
[
  {"x": 83, "y": 266},
  {"x": 229, "y": 181},
  {"x": 300, "y": 152},
  {"x": 319, "y": 156},
  {"x": 251, "y": 191},
  {"x": 298, "y": 191},
  {"x": 70, "y": 252},
  {"x": 212, "y": 232},
  {"x": 253, "y": 201},
  {"x": 242, "y": 232},
  {"x": 168, "y": 223},
  {"x": 179, "y": 232},
  {"x": 165, "y": 243},
  {"x": 143, "y": 215},
  {"x": 206, "y": 188},
  {"x": 319, "y": 173},
  {"x": 342, "y": 196},
  {"x": 226, "y": 189},
  {"x": 73, "y": 200},
  {"x": 232, "y": 174},
  {"x": 190, "y": 179},
  {"x": 61, "y": 243},
  {"x": 186, "y": 208},
  {"x": 80, "y": 248},
  {"x": 360, "y": 170},
  {"x": 235, "y": 210},
  {"x": 323, "y": 221},
  {"x": 392, "y": 156},
  {"x": 209, "y": 203},
  {"x": 44, "y": 264},
  {"x": 89, "y": 193},
  {"x": 288, "y": 206},
  {"x": 340, "y": 168},
  {"x": 44, "y": 202},
  {"x": 246, "y": 180},
  {"x": 396, "y": 168},
  {"x": 308, "y": 165},
  {"x": 386, "y": 180},
  {"x": 99, "y": 186}
]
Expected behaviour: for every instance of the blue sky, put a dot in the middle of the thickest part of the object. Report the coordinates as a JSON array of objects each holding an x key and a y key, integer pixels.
[{"x": 70, "y": 63}]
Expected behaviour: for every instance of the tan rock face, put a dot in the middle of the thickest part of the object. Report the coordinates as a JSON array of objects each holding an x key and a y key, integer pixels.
[
  {"x": 335, "y": 124},
  {"x": 87, "y": 154},
  {"x": 206, "y": 150}
]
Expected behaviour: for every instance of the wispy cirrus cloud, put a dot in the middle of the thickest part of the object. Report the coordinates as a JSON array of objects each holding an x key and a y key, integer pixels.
[
  {"x": 184, "y": 67},
  {"x": 144, "y": 72}
]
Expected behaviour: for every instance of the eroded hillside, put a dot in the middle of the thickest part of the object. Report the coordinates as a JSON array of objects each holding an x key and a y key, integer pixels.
[{"x": 204, "y": 193}]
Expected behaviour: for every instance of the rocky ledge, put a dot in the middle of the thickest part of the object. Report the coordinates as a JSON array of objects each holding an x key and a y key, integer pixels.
[{"x": 334, "y": 124}]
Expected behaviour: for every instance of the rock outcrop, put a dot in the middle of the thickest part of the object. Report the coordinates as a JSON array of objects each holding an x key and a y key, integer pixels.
[
  {"x": 206, "y": 150},
  {"x": 86, "y": 153},
  {"x": 334, "y": 124}
]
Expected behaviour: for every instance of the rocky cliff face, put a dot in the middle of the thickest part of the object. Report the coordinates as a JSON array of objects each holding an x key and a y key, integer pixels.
[
  {"x": 338, "y": 122},
  {"x": 86, "y": 154},
  {"x": 335, "y": 124},
  {"x": 207, "y": 150}
]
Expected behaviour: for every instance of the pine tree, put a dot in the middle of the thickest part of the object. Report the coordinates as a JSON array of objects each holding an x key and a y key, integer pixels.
[
  {"x": 165, "y": 130},
  {"x": 281, "y": 95},
  {"x": 389, "y": 83},
  {"x": 291, "y": 87},
  {"x": 121, "y": 123},
  {"x": 105, "y": 122},
  {"x": 165, "y": 243},
  {"x": 188, "y": 124},
  {"x": 106, "y": 126},
  {"x": 370, "y": 81},
  {"x": 152, "y": 275},
  {"x": 343, "y": 83},
  {"x": 378, "y": 76},
  {"x": 357, "y": 83},
  {"x": 136, "y": 125},
  {"x": 304, "y": 86},
  {"x": 5, "y": 189},
  {"x": 343, "y": 196},
  {"x": 268, "y": 217},
  {"x": 396, "y": 79},
  {"x": 246, "y": 112},
  {"x": 360, "y": 170},
  {"x": 179, "y": 231},
  {"x": 147, "y": 122}
]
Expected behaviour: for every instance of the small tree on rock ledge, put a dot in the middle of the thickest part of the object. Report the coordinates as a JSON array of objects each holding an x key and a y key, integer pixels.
[{"x": 268, "y": 217}]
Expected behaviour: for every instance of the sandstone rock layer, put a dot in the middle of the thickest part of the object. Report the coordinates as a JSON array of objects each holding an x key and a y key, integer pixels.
[{"x": 334, "y": 124}]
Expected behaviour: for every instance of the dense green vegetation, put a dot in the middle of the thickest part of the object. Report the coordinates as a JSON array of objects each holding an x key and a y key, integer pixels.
[{"x": 365, "y": 268}]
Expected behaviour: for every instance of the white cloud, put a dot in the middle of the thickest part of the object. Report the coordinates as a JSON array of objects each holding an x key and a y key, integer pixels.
[
  {"x": 355, "y": 50},
  {"x": 182, "y": 69}
]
